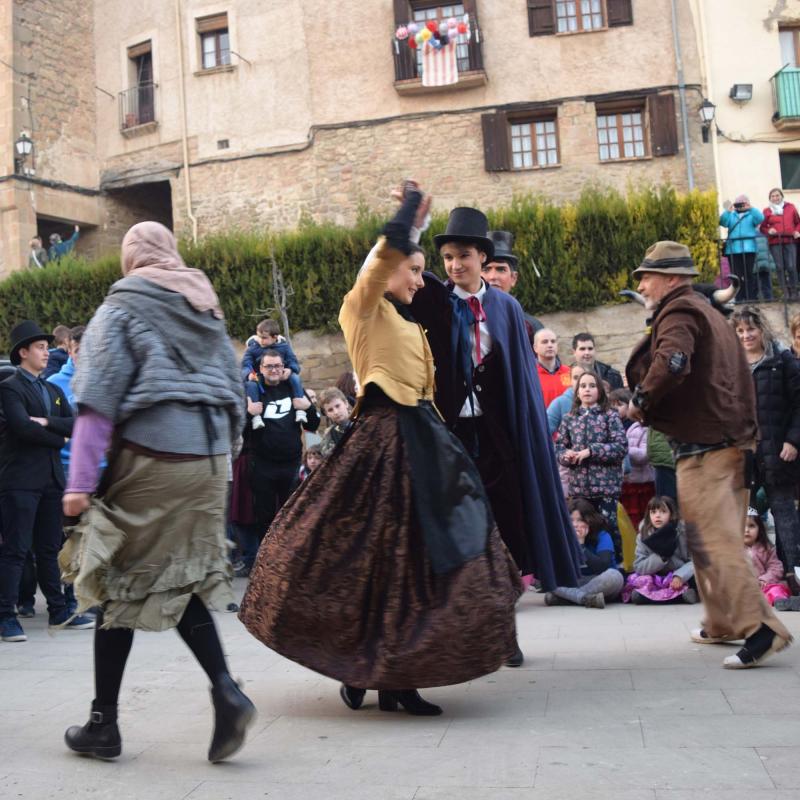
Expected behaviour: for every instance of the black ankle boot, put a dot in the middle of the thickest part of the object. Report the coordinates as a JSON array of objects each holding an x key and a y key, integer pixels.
[
  {"x": 99, "y": 737},
  {"x": 233, "y": 713},
  {"x": 352, "y": 697},
  {"x": 517, "y": 659},
  {"x": 410, "y": 700}
]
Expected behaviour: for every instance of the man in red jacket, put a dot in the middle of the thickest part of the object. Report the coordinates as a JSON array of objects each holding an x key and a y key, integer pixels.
[{"x": 553, "y": 375}]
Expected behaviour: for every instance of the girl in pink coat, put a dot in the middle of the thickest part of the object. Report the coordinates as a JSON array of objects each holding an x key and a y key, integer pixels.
[{"x": 766, "y": 564}]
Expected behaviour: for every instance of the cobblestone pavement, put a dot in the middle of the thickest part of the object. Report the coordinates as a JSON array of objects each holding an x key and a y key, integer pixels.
[{"x": 610, "y": 705}]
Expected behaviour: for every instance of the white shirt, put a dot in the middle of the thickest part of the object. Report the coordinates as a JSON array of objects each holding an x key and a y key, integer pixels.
[{"x": 473, "y": 409}]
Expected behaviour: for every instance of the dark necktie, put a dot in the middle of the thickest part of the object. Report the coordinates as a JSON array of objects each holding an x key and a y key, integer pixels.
[
  {"x": 480, "y": 316},
  {"x": 45, "y": 396}
]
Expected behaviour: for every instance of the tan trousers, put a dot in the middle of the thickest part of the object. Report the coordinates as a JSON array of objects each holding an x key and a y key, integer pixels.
[{"x": 713, "y": 500}]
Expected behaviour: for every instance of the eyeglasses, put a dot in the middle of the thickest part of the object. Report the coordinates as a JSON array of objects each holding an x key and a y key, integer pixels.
[{"x": 272, "y": 367}]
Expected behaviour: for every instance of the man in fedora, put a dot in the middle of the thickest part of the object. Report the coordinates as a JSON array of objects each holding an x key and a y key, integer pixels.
[
  {"x": 488, "y": 394},
  {"x": 502, "y": 273},
  {"x": 691, "y": 382},
  {"x": 38, "y": 421}
]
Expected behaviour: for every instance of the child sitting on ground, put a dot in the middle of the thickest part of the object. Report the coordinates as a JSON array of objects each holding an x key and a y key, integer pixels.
[
  {"x": 268, "y": 335},
  {"x": 335, "y": 407},
  {"x": 311, "y": 460},
  {"x": 766, "y": 564},
  {"x": 662, "y": 570},
  {"x": 600, "y": 580}
]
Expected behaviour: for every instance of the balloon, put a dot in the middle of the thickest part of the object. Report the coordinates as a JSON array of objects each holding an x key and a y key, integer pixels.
[
  {"x": 462, "y": 28},
  {"x": 437, "y": 45},
  {"x": 426, "y": 34},
  {"x": 432, "y": 25},
  {"x": 442, "y": 28},
  {"x": 420, "y": 37},
  {"x": 412, "y": 42},
  {"x": 413, "y": 28},
  {"x": 401, "y": 33},
  {"x": 452, "y": 22},
  {"x": 445, "y": 39}
]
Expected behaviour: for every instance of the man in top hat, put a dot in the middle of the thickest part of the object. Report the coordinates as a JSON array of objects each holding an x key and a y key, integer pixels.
[
  {"x": 488, "y": 394},
  {"x": 502, "y": 273},
  {"x": 691, "y": 382},
  {"x": 38, "y": 422}
]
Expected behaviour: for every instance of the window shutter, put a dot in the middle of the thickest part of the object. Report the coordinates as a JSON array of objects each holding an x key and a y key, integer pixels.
[
  {"x": 405, "y": 62},
  {"x": 495, "y": 141},
  {"x": 475, "y": 52},
  {"x": 541, "y": 19},
  {"x": 620, "y": 12},
  {"x": 216, "y": 22},
  {"x": 663, "y": 126},
  {"x": 140, "y": 49}
]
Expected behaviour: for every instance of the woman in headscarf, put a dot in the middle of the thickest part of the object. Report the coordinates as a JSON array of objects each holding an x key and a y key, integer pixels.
[
  {"x": 157, "y": 385},
  {"x": 385, "y": 569}
]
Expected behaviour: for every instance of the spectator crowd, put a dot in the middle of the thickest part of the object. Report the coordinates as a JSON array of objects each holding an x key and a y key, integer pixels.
[{"x": 617, "y": 475}]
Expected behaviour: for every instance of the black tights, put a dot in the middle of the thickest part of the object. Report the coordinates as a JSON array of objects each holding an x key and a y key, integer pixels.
[{"x": 112, "y": 646}]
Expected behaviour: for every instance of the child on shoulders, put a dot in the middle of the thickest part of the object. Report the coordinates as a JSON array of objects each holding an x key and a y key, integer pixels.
[{"x": 662, "y": 569}]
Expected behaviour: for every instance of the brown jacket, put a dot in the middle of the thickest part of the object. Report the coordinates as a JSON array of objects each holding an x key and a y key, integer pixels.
[{"x": 693, "y": 375}]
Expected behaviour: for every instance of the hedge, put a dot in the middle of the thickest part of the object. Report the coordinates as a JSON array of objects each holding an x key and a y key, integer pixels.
[{"x": 572, "y": 256}]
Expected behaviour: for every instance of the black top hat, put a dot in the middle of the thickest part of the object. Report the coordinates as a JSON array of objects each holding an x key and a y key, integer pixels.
[
  {"x": 503, "y": 245},
  {"x": 22, "y": 335},
  {"x": 467, "y": 225}
]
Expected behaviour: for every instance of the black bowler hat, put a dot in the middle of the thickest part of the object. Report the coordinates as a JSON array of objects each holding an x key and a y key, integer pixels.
[
  {"x": 503, "y": 245},
  {"x": 22, "y": 335},
  {"x": 470, "y": 226}
]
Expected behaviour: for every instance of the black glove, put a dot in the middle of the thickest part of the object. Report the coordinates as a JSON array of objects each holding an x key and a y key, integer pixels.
[
  {"x": 663, "y": 541},
  {"x": 397, "y": 230}
]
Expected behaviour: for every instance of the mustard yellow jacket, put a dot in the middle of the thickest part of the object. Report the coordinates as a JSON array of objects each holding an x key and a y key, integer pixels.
[{"x": 384, "y": 348}]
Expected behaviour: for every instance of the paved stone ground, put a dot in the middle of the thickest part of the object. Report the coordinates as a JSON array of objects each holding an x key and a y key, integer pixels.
[{"x": 610, "y": 705}]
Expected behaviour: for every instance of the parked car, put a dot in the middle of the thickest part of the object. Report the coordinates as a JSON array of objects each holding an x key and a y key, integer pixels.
[{"x": 6, "y": 370}]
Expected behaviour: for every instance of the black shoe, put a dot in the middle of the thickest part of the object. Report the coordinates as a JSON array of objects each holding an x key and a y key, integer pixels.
[
  {"x": 232, "y": 608},
  {"x": 99, "y": 737},
  {"x": 410, "y": 700},
  {"x": 762, "y": 644},
  {"x": 517, "y": 659},
  {"x": 233, "y": 714},
  {"x": 352, "y": 697}
]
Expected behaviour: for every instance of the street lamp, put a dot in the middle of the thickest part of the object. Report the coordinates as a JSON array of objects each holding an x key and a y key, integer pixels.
[
  {"x": 707, "y": 111},
  {"x": 24, "y": 147}
]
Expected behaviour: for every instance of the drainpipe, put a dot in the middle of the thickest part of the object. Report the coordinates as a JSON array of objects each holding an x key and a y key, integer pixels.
[
  {"x": 687, "y": 146},
  {"x": 184, "y": 137}
]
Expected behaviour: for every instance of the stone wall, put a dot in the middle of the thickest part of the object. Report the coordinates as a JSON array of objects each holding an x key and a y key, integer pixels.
[{"x": 616, "y": 330}]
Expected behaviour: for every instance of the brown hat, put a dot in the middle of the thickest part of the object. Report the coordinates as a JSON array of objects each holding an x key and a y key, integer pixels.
[{"x": 668, "y": 258}]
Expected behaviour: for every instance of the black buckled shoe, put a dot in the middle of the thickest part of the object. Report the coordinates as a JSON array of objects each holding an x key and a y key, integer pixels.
[
  {"x": 352, "y": 697},
  {"x": 233, "y": 714},
  {"x": 99, "y": 737},
  {"x": 411, "y": 701},
  {"x": 761, "y": 645},
  {"x": 517, "y": 658}
]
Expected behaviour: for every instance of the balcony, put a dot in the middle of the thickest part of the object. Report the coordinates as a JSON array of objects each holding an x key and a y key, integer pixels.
[
  {"x": 409, "y": 65},
  {"x": 786, "y": 98},
  {"x": 137, "y": 110}
]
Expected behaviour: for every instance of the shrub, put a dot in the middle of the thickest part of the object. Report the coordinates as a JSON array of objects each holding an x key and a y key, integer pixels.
[{"x": 572, "y": 256}]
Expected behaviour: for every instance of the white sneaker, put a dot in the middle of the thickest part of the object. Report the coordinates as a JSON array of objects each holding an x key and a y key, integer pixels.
[
  {"x": 258, "y": 422},
  {"x": 300, "y": 416}
]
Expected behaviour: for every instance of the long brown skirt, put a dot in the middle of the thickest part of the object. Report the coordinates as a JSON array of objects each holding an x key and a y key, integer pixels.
[{"x": 343, "y": 585}]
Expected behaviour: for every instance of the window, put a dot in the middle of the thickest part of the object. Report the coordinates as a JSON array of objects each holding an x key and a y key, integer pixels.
[
  {"x": 548, "y": 17},
  {"x": 578, "y": 15},
  {"x": 621, "y": 134},
  {"x": 440, "y": 13},
  {"x": 137, "y": 104},
  {"x": 534, "y": 144},
  {"x": 789, "y": 40},
  {"x": 528, "y": 142},
  {"x": 790, "y": 169},
  {"x": 215, "y": 48}
]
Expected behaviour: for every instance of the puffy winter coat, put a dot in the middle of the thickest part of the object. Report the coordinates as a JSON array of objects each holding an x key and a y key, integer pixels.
[
  {"x": 777, "y": 385},
  {"x": 785, "y": 224}
]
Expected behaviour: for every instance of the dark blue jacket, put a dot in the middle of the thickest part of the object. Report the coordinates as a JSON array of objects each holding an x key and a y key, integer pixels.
[
  {"x": 252, "y": 357},
  {"x": 55, "y": 362}
]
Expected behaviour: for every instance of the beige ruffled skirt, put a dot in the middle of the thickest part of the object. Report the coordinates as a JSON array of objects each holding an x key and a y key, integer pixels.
[{"x": 155, "y": 538}]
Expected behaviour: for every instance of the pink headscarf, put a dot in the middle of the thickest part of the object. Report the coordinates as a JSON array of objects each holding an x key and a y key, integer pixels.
[{"x": 149, "y": 251}]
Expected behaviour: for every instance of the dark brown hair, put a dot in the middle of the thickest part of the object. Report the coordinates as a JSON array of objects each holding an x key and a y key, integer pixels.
[
  {"x": 268, "y": 327},
  {"x": 665, "y": 503},
  {"x": 602, "y": 397},
  {"x": 762, "y": 537},
  {"x": 590, "y": 515}
]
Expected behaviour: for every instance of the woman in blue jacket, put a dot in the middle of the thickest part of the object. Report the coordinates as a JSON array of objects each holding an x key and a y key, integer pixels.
[{"x": 742, "y": 221}]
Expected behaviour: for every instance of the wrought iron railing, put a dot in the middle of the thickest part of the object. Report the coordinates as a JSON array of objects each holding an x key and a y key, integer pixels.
[{"x": 137, "y": 106}]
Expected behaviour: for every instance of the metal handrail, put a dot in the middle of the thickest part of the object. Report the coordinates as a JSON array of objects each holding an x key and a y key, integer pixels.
[{"x": 137, "y": 105}]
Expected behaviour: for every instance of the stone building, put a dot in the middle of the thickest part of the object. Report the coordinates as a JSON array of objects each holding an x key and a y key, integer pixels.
[{"x": 217, "y": 114}]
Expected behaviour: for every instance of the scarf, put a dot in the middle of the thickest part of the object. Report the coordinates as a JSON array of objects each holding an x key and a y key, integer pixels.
[
  {"x": 149, "y": 251},
  {"x": 777, "y": 209},
  {"x": 663, "y": 540}
]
